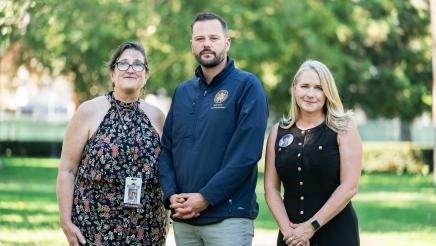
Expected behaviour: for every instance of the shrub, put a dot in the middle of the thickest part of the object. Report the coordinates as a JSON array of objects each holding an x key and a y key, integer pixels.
[{"x": 397, "y": 157}]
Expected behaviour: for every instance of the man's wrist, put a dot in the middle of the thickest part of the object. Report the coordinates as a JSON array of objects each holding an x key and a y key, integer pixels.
[{"x": 205, "y": 200}]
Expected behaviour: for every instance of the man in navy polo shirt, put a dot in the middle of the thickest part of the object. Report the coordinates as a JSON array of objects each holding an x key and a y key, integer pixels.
[{"x": 212, "y": 141}]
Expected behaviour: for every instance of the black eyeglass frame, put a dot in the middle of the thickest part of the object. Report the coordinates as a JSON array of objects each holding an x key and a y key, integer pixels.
[{"x": 143, "y": 66}]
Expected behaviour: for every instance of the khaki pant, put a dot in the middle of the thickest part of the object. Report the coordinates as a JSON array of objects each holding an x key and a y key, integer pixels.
[{"x": 229, "y": 232}]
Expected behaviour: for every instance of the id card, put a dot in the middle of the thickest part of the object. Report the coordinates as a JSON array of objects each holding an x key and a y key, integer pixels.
[{"x": 132, "y": 192}]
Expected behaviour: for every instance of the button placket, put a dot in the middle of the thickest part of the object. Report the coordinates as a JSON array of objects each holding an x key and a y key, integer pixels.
[{"x": 300, "y": 169}]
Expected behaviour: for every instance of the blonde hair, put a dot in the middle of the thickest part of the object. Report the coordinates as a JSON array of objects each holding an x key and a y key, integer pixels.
[{"x": 336, "y": 118}]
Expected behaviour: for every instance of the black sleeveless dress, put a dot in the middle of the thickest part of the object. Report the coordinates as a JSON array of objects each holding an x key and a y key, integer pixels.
[
  {"x": 309, "y": 169},
  {"x": 120, "y": 148}
]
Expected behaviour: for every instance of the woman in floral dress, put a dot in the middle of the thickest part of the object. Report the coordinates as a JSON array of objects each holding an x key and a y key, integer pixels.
[{"x": 108, "y": 187}]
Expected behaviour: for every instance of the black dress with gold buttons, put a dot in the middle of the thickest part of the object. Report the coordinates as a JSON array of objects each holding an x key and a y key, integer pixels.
[{"x": 308, "y": 165}]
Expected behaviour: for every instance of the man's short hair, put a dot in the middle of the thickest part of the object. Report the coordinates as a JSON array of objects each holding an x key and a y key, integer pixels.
[{"x": 204, "y": 16}]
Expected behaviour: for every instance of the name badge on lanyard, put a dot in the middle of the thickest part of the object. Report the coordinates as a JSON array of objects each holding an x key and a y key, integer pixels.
[{"x": 132, "y": 192}]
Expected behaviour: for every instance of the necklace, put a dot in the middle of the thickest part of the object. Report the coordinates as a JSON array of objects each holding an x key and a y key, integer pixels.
[{"x": 126, "y": 117}]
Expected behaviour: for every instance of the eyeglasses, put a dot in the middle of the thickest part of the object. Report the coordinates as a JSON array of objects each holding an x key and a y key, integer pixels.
[{"x": 137, "y": 67}]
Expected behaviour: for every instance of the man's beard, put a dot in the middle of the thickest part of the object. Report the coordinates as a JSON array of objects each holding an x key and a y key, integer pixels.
[{"x": 218, "y": 58}]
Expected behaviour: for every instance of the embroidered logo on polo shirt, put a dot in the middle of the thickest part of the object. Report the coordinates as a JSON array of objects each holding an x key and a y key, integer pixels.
[{"x": 219, "y": 98}]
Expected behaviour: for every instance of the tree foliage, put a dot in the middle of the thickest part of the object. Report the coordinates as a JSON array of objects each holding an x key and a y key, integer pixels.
[{"x": 379, "y": 51}]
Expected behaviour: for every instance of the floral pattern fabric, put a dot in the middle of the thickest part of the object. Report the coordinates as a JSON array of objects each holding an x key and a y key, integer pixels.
[{"x": 124, "y": 145}]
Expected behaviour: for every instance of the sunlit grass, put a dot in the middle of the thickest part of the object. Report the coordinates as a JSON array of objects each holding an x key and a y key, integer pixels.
[
  {"x": 32, "y": 237},
  {"x": 31, "y": 162},
  {"x": 414, "y": 238},
  {"x": 394, "y": 197},
  {"x": 27, "y": 196},
  {"x": 392, "y": 210}
]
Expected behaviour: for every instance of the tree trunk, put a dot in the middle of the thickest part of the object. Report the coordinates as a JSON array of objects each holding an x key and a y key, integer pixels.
[{"x": 405, "y": 131}]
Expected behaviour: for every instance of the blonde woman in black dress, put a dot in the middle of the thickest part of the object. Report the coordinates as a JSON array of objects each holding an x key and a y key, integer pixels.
[{"x": 316, "y": 155}]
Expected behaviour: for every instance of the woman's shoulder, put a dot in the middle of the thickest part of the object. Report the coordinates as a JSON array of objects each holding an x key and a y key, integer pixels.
[
  {"x": 274, "y": 128},
  {"x": 93, "y": 106}
]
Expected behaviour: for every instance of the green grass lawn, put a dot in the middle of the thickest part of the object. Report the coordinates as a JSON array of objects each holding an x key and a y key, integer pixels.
[
  {"x": 392, "y": 210},
  {"x": 28, "y": 208}
]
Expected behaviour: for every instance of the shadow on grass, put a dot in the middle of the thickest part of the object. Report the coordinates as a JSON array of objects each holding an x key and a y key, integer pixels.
[
  {"x": 392, "y": 182},
  {"x": 28, "y": 219},
  {"x": 404, "y": 217},
  {"x": 28, "y": 196},
  {"x": 25, "y": 174}
]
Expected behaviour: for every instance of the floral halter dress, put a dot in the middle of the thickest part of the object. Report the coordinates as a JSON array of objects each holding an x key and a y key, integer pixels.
[{"x": 124, "y": 145}]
